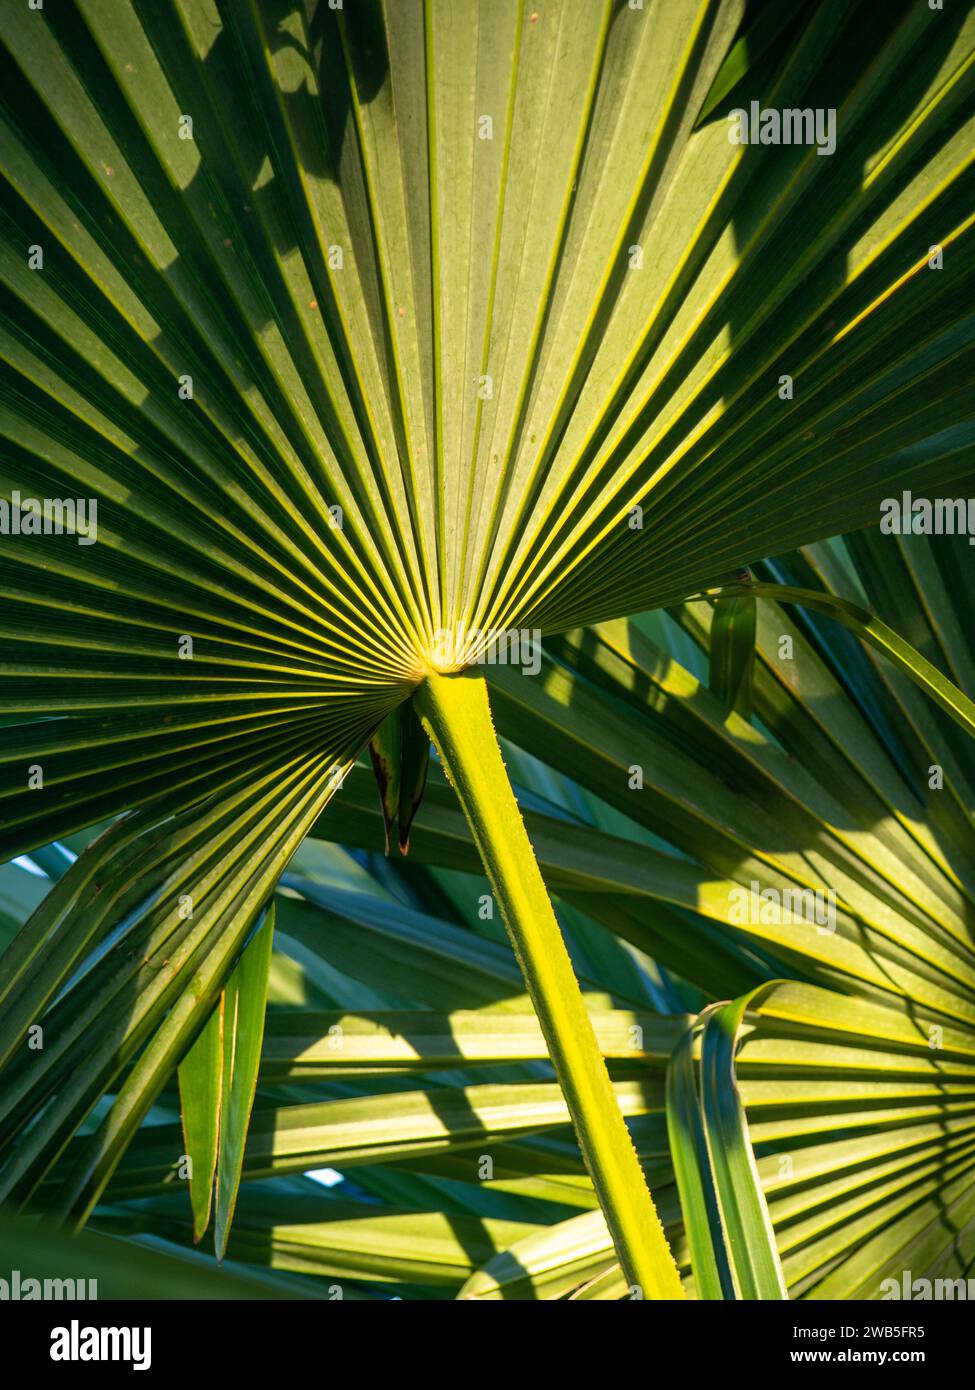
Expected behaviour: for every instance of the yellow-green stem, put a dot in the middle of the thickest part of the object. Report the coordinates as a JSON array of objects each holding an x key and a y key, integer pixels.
[{"x": 456, "y": 714}]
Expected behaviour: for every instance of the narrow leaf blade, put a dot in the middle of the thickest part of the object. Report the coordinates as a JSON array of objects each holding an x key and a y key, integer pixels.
[
  {"x": 245, "y": 1001},
  {"x": 200, "y": 1082}
]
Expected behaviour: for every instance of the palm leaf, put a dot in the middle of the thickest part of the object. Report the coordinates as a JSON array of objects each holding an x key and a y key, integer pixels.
[{"x": 344, "y": 418}]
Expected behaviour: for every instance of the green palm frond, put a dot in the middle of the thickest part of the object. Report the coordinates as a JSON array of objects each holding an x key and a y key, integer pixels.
[
  {"x": 338, "y": 262},
  {"x": 374, "y": 332}
]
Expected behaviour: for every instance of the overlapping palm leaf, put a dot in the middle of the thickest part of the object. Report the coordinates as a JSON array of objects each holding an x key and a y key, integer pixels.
[
  {"x": 854, "y": 1070},
  {"x": 427, "y": 309}
]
